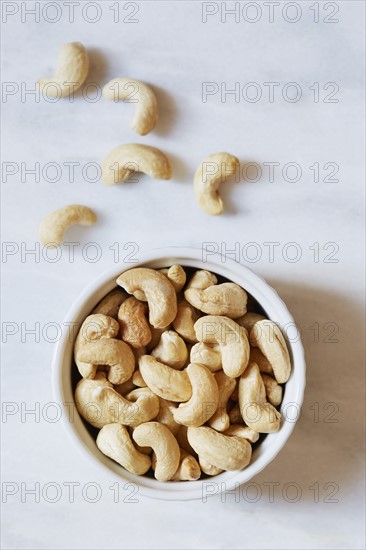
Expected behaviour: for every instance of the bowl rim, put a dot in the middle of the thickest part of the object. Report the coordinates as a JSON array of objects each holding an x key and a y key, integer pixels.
[{"x": 221, "y": 264}]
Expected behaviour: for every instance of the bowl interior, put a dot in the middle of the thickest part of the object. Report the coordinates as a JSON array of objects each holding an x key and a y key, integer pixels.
[{"x": 66, "y": 376}]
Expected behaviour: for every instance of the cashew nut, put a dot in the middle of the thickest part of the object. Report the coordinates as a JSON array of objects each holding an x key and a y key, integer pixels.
[
  {"x": 53, "y": 226},
  {"x": 114, "y": 441},
  {"x": 156, "y": 335},
  {"x": 176, "y": 275},
  {"x": 164, "y": 381},
  {"x": 266, "y": 336},
  {"x": 72, "y": 70},
  {"x": 137, "y": 378},
  {"x": 159, "y": 292},
  {"x": 109, "y": 305},
  {"x": 134, "y": 91},
  {"x": 208, "y": 468},
  {"x": 256, "y": 356},
  {"x": 114, "y": 353},
  {"x": 134, "y": 327},
  {"x": 232, "y": 341},
  {"x": 223, "y": 451},
  {"x": 171, "y": 350},
  {"x": 202, "y": 279},
  {"x": 184, "y": 321},
  {"x": 227, "y": 299},
  {"x": 123, "y": 160},
  {"x": 211, "y": 172},
  {"x": 235, "y": 415},
  {"x": 166, "y": 415},
  {"x": 182, "y": 438},
  {"x": 273, "y": 390},
  {"x": 256, "y": 411},
  {"x": 208, "y": 355},
  {"x": 205, "y": 397},
  {"x": 188, "y": 469},
  {"x": 99, "y": 404},
  {"x": 125, "y": 388},
  {"x": 165, "y": 446},
  {"x": 242, "y": 431},
  {"x": 249, "y": 319},
  {"x": 220, "y": 421},
  {"x": 94, "y": 328}
]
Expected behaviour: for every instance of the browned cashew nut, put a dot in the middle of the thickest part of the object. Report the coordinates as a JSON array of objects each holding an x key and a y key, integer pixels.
[
  {"x": 159, "y": 292},
  {"x": 165, "y": 446},
  {"x": 114, "y": 441},
  {"x": 171, "y": 350},
  {"x": 256, "y": 411},
  {"x": 223, "y": 451},
  {"x": 231, "y": 339},
  {"x": 227, "y": 299},
  {"x": 164, "y": 381},
  {"x": 184, "y": 321},
  {"x": 204, "y": 400},
  {"x": 114, "y": 353},
  {"x": 109, "y": 305},
  {"x": 220, "y": 421},
  {"x": 94, "y": 328},
  {"x": 99, "y": 404},
  {"x": 266, "y": 336},
  {"x": 135, "y": 329}
]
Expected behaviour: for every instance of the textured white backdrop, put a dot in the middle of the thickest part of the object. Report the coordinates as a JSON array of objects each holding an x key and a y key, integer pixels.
[{"x": 172, "y": 49}]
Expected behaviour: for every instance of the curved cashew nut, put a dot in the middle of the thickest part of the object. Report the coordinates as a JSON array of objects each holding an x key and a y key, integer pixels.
[
  {"x": 220, "y": 421},
  {"x": 135, "y": 329},
  {"x": 208, "y": 468},
  {"x": 256, "y": 411},
  {"x": 273, "y": 390},
  {"x": 227, "y": 299},
  {"x": 176, "y": 275},
  {"x": 164, "y": 381},
  {"x": 165, "y": 446},
  {"x": 211, "y": 172},
  {"x": 184, "y": 321},
  {"x": 134, "y": 91},
  {"x": 256, "y": 356},
  {"x": 204, "y": 400},
  {"x": 166, "y": 415},
  {"x": 114, "y": 441},
  {"x": 159, "y": 292},
  {"x": 54, "y": 225},
  {"x": 223, "y": 451},
  {"x": 114, "y": 353},
  {"x": 188, "y": 469},
  {"x": 208, "y": 355},
  {"x": 202, "y": 279},
  {"x": 123, "y": 160},
  {"x": 232, "y": 341},
  {"x": 99, "y": 404},
  {"x": 171, "y": 350},
  {"x": 249, "y": 319},
  {"x": 94, "y": 328},
  {"x": 137, "y": 378},
  {"x": 156, "y": 335},
  {"x": 109, "y": 305},
  {"x": 266, "y": 336},
  {"x": 72, "y": 70},
  {"x": 242, "y": 431}
]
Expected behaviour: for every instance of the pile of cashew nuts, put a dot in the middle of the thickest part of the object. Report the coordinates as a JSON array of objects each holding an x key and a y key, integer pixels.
[
  {"x": 178, "y": 377},
  {"x": 126, "y": 159}
]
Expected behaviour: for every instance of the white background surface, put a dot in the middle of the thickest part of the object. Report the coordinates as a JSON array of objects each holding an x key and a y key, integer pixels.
[{"x": 172, "y": 49}]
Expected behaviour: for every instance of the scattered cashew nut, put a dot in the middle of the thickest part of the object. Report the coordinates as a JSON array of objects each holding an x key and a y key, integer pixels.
[
  {"x": 123, "y": 160},
  {"x": 134, "y": 91},
  {"x": 165, "y": 446},
  {"x": 227, "y": 299},
  {"x": 256, "y": 411},
  {"x": 72, "y": 70},
  {"x": 205, "y": 397},
  {"x": 232, "y": 341},
  {"x": 164, "y": 381},
  {"x": 210, "y": 173},
  {"x": 159, "y": 292},
  {"x": 54, "y": 225},
  {"x": 266, "y": 336},
  {"x": 114, "y": 441},
  {"x": 171, "y": 350}
]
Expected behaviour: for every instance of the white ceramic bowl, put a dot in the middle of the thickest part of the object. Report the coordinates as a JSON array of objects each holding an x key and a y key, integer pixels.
[{"x": 275, "y": 309}]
